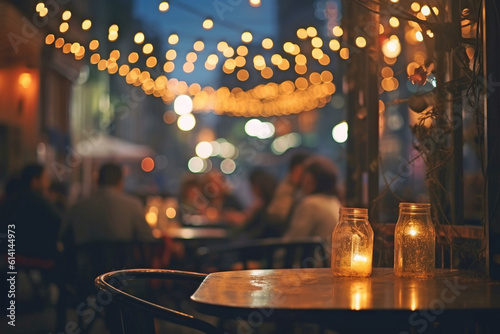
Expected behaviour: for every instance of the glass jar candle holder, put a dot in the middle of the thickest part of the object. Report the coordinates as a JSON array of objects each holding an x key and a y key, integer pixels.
[
  {"x": 352, "y": 244},
  {"x": 414, "y": 241}
]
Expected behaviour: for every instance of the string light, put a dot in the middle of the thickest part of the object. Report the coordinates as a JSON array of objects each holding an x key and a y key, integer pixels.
[
  {"x": 288, "y": 97},
  {"x": 66, "y": 15},
  {"x": 49, "y": 39},
  {"x": 254, "y": 3},
  {"x": 63, "y": 27},
  {"x": 139, "y": 38},
  {"x": 86, "y": 24},
  {"x": 246, "y": 37},
  {"x": 173, "y": 39},
  {"x": 163, "y": 6},
  {"x": 208, "y": 24},
  {"x": 267, "y": 43},
  {"x": 360, "y": 42}
]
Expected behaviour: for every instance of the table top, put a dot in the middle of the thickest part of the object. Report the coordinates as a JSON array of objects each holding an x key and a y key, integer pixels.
[{"x": 317, "y": 290}]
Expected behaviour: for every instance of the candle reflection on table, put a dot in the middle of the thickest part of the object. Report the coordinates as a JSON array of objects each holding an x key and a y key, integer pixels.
[
  {"x": 355, "y": 293},
  {"x": 360, "y": 294},
  {"x": 407, "y": 294}
]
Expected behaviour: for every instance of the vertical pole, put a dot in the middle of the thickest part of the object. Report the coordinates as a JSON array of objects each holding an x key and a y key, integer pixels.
[
  {"x": 356, "y": 132},
  {"x": 457, "y": 172},
  {"x": 363, "y": 113},
  {"x": 491, "y": 72},
  {"x": 372, "y": 105}
]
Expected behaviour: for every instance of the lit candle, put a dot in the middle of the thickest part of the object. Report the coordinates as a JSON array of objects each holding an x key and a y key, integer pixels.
[
  {"x": 414, "y": 241},
  {"x": 413, "y": 232},
  {"x": 359, "y": 264},
  {"x": 352, "y": 244}
]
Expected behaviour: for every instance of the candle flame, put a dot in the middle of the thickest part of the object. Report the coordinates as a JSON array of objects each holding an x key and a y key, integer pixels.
[
  {"x": 412, "y": 232},
  {"x": 360, "y": 258}
]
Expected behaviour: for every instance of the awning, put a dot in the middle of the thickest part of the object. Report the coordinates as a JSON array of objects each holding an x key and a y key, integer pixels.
[{"x": 102, "y": 146}]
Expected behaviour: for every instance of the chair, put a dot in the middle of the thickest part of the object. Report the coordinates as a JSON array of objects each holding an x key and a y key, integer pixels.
[
  {"x": 112, "y": 283},
  {"x": 36, "y": 278},
  {"x": 269, "y": 253},
  {"x": 85, "y": 262}
]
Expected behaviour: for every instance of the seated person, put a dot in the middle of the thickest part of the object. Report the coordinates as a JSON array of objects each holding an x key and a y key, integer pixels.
[
  {"x": 192, "y": 202},
  {"x": 318, "y": 211},
  {"x": 109, "y": 214},
  {"x": 34, "y": 219},
  {"x": 223, "y": 206},
  {"x": 256, "y": 224},
  {"x": 287, "y": 194}
]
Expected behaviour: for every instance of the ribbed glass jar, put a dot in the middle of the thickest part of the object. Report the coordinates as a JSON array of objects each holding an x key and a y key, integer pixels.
[
  {"x": 414, "y": 241},
  {"x": 352, "y": 244}
]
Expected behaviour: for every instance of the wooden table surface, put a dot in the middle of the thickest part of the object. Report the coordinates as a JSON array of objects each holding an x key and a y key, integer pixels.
[{"x": 317, "y": 293}]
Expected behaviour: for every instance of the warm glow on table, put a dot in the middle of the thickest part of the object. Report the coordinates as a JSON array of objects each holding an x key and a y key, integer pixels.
[{"x": 319, "y": 290}]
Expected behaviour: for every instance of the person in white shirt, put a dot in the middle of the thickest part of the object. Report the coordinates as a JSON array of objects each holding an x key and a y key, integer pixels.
[
  {"x": 317, "y": 213},
  {"x": 279, "y": 210}
]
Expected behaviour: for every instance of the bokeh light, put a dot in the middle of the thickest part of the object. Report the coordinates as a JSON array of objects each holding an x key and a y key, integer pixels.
[
  {"x": 228, "y": 166},
  {"x": 255, "y": 3},
  {"x": 196, "y": 165},
  {"x": 204, "y": 149},
  {"x": 340, "y": 132},
  {"x": 163, "y": 6},
  {"x": 208, "y": 24},
  {"x": 246, "y": 37},
  {"x": 183, "y": 105},
  {"x": 227, "y": 150},
  {"x": 186, "y": 122},
  {"x": 391, "y": 47},
  {"x": 139, "y": 38},
  {"x": 171, "y": 213},
  {"x": 147, "y": 164},
  {"x": 25, "y": 80},
  {"x": 86, "y": 24}
]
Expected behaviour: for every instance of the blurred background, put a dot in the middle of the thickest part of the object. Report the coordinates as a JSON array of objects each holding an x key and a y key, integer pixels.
[{"x": 169, "y": 88}]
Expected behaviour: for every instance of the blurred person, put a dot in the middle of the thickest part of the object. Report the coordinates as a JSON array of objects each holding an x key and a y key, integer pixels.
[
  {"x": 223, "y": 206},
  {"x": 12, "y": 188},
  {"x": 11, "y": 191},
  {"x": 109, "y": 214},
  {"x": 263, "y": 186},
  {"x": 192, "y": 202},
  {"x": 317, "y": 213},
  {"x": 33, "y": 218},
  {"x": 58, "y": 196},
  {"x": 36, "y": 225},
  {"x": 287, "y": 193}
]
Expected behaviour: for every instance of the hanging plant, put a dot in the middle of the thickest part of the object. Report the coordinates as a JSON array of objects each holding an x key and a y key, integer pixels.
[{"x": 447, "y": 85}]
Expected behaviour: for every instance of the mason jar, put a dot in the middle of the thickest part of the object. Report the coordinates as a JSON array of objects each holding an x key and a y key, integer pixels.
[
  {"x": 414, "y": 241},
  {"x": 352, "y": 244}
]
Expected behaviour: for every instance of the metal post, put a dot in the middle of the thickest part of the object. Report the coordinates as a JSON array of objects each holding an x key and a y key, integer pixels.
[
  {"x": 457, "y": 172},
  {"x": 363, "y": 115},
  {"x": 491, "y": 41}
]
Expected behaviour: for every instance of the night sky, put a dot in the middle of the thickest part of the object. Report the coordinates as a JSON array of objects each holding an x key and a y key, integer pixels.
[{"x": 231, "y": 18}]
